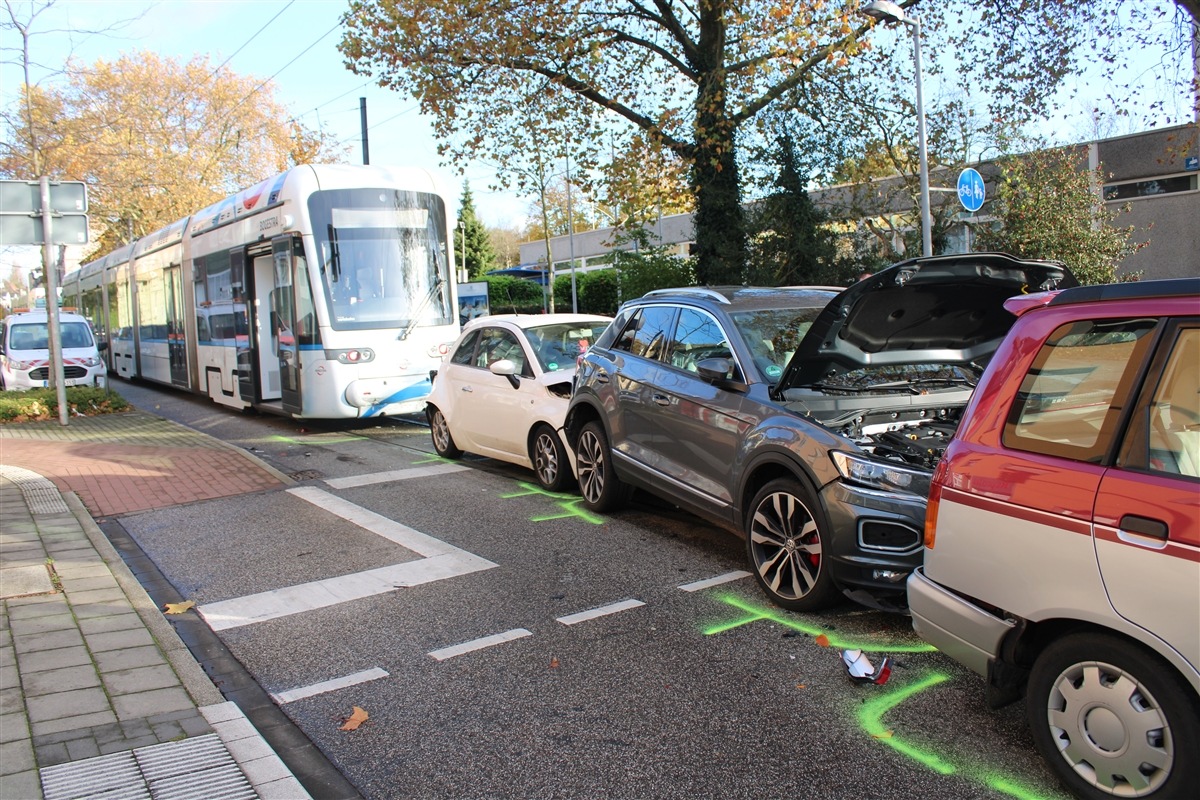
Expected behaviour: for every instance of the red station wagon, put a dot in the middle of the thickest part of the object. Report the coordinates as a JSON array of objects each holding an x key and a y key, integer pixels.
[{"x": 1062, "y": 535}]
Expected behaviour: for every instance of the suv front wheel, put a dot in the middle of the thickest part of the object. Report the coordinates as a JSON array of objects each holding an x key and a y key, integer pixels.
[
  {"x": 602, "y": 490},
  {"x": 1112, "y": 720},
  {"x": 785, "y": 543}
]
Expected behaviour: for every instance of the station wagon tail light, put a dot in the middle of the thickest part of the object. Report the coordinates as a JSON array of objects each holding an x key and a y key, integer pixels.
[{"x": 931, "y": 512}]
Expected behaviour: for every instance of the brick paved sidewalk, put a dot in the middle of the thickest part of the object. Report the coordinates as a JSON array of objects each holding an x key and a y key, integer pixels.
[{"x": 133, "y": 461}]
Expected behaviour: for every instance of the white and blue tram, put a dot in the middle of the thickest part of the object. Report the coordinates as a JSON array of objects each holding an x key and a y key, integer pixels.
[{"x": 327, "y": 292}]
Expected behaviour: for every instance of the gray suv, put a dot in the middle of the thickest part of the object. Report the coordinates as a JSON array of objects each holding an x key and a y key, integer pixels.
[{"x": 807, "y": 419}]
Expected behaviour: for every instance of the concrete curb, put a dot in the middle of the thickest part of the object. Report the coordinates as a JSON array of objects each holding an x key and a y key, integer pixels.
[{"x": 202, "y": 690}]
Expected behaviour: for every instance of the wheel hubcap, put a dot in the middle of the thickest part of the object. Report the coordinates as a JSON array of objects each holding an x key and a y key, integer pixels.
[
  {"x": 1110, "y": 730},
  {"x": 441, "y": 431},
  {"x": 590, "y": 465},
  {"x": 786, "y": 546},
  {"x": 546, "y": 459}
]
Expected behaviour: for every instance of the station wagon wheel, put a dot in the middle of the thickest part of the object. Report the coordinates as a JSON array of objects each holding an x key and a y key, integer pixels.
[
  {"x": 602, "y": 490},
  {"x": 1114, "y": 720},
  {"x": 549, "y": 459},
  {"x": 443, "y": 442},
  {"x": 785, "y": 544}
]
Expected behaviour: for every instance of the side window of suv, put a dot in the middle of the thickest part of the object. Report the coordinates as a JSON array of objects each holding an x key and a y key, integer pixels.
[
  {"x": 647, "y": 332},
  {"x": 1071, "y": 401},
  {"x": 698, "y": 336}
]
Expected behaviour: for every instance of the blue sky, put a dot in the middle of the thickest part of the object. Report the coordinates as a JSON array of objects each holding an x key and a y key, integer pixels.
[{"x": 292, "y": 43}]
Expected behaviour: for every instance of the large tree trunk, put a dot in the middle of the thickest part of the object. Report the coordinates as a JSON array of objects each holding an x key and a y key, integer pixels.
[{"x": 720, "y": 223}]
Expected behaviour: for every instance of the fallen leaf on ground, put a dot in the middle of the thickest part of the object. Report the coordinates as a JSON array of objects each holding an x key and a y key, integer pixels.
[
  {"x": 801, "y": 686},
  {"x": 884, "y": 735},
  {"x": 823, "y": 640},
  {"x": 178, "y": 608},
  {"x": 357, "y": 718},
  {"x": 553, "y": 663}
]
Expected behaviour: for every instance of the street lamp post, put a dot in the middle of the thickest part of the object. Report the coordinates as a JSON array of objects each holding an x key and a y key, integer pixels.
[{"x": 888, "y": 11}]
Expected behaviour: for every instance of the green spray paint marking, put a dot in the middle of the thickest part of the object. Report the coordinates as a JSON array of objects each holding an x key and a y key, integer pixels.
[
  {"x": 569, "y": 504},
  {"x": 870, "y": 717},
  {"x": 319, "y": 438},
  {"x": 1014, "y": 789},
  {"x": 757, "y": 613}
]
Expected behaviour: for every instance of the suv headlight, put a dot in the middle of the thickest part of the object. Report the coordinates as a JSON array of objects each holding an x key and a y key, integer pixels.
[
  {"x": 91, "y": 361},
  {"x": 876, "y": 474}
]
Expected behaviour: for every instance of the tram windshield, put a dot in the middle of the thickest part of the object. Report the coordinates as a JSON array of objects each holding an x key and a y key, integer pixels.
[{"x": 383, "y": 258}]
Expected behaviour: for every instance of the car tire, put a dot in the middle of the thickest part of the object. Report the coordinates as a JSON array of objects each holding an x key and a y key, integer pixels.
[
  {"x": 599, "y": 485},
  {"x": 1087, "y": 692},
  {"x": 439, "y": 429},
  {"x": 786, "y": 540},
  {"x": 549, "y": 459}
]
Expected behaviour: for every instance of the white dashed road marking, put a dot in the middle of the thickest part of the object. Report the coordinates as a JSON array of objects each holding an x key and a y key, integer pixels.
[
  {"x": 478, "y": 644},
  {"x": 394, "y": 475},
  {"x": 292, "y": 695},
  {"x": 602, "y": 611},
  {"x": 717, "y": 581}
]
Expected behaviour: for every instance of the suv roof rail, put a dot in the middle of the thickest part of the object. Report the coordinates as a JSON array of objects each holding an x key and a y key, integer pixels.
[
  {"x": 1169, "y": 287},
  {"x": 701, "y": 291}
]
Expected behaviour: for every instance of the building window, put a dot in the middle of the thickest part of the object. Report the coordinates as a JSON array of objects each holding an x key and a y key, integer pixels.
[{"x": 1128, "y": 191}]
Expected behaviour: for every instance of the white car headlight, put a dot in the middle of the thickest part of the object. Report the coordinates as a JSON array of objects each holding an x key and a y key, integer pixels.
[
  {"x": 876, "y": 474},
  {"x": 91, "y": 361}
]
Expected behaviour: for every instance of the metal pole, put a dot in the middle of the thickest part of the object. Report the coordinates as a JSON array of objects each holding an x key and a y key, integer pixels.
[
  {"x": 362, "y": 114},
  {"x": 922, "y": 152},
  {"x": 571, "y": 237},
  {"x": 50, "y": 273}
]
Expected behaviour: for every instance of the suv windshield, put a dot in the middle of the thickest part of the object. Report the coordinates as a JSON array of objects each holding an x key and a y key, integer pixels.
[{"x": 772, "y": 335}]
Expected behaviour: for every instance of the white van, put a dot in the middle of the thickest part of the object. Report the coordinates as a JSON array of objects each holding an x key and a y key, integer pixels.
[{"x": 25, "y": 352}]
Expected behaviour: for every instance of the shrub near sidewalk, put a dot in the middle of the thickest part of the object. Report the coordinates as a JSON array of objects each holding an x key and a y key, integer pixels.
[{"x": 39, "y": 404}]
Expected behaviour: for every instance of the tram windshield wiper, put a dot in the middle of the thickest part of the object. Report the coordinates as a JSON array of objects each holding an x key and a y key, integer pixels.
[
  {"x": 335, "y": 258},
  {"x": 412, "y": 322}
]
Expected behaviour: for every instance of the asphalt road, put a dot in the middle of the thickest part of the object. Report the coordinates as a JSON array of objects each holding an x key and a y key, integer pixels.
[{"x": 507, "y": 645}]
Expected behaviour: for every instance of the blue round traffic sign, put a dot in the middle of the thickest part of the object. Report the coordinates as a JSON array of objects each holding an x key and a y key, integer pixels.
[{"x": 970, "y": 189}]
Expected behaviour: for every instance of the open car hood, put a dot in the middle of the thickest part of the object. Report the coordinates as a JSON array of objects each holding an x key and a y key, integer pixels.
[{"x": 937, "y": 310}]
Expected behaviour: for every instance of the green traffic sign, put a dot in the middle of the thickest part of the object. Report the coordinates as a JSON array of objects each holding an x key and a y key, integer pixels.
[
  {"x": 23, "y": 229},
  {"x": 25, "y": 197}
]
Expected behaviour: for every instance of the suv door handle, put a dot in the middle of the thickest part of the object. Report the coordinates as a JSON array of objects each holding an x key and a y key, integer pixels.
[
  {"x": 468, "y": 389},
  {"x": 601, "y": 376},
  {"x": 661, "y": 399}
]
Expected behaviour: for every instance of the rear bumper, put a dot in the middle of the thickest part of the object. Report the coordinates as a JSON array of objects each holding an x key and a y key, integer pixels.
[{"x": 959, "y": 628}]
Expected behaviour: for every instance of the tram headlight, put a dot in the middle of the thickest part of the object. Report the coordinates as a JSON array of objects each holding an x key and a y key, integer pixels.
[{"x": 357, "y": 355}]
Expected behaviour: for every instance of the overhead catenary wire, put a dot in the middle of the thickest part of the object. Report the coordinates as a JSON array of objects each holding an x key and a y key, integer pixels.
[{"x": 251, "y": 39}]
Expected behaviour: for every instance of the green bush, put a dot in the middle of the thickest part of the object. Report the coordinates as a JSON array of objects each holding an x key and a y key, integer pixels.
[
  {"x": 596, "y": 291},
  {"x": 646, "y": 267},
  {"x": 508, "y": 295},
  {"x": 598, "y": 294},
  {"x": 38, "y": 404}
]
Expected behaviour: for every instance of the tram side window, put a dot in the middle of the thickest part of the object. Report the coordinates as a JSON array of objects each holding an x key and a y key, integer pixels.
[
  {"x": 306, "y": 316},
  {"x": 218, "y": 280},
  {"x": 200, "y": 281},
  {"x": 152, "y": 307},
  {"x": 203, "y": 334}
]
